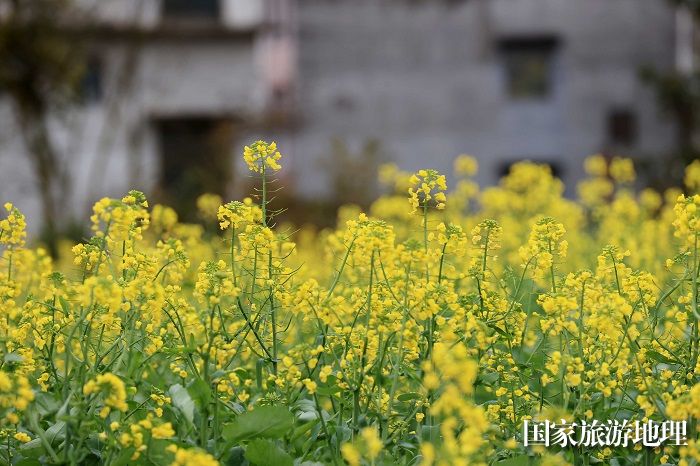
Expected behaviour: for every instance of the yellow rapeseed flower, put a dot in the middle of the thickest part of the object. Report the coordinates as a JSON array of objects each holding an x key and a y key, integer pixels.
[{"x": 261, "y": 156}]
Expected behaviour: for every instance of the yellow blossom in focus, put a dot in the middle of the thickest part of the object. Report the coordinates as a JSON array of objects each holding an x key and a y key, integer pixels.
[
  {"x": 113, "y": 389},
  {"x": 261, "y": 156},
  {"x": 427, "y": 185},
  {"x": 12, "y": 228},
  {"x": 22, "y": 437}
]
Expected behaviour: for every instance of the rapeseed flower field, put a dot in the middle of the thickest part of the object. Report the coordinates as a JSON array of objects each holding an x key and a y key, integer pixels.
[{"x": 422, "y": 332}]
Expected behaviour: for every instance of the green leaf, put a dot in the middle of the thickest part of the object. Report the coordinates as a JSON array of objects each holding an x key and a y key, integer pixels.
[
  {"x": 409, "y": 396},
  {"x": 236, "y": 457},
  {"x": 304, "y": 405},
  {"x": 308, "y": 416},
  {"x": 134, "y": 361},
  {"x": 489, "y": 378},
  {"x": 200, "y": 393},
  {"x": 266, "y": 453},
  {"x": 124, "y": 457},
  {"x": 328, "y": 390},
  {"x": 343, "y": 432},
  {"x": 264, "y": 421},
  {"x": 64, "y": 305},
  {"x": 56, "y": 432},
  {"x": 28, "y": 462},
  {"x": 521, "y": 460},
  {"x": 304, "y": 428},
  {"x": 408, "y": 445},
  {"x": 45, "y": 404},
  {"x": 13, "y": 358},
  {"x": 182, "y": 401},
  {"x": 32, "y": 449},
  {"x": 658, "y": 357},
  {"x": 430, "y": 433}
]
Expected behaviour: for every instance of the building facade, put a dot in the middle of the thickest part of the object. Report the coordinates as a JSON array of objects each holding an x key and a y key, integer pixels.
[
  {"x": 169, "y": 89},
  {"x": 175, "y": 88},
  {"x": 503, "y": 80}
]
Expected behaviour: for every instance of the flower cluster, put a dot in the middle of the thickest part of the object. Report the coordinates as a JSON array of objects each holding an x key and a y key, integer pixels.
[
  {"x": 427, "y": 185},
  {"x": 545, "y": 246},
  {"x": 388, "y": 338},
  {"x": 687, "y": 221},
  {"x": 235, "y": 213},
  {"x": 113, "y": 390},
  {"x": 12, "y": 228},
  {"x": 261, "y": 156}
]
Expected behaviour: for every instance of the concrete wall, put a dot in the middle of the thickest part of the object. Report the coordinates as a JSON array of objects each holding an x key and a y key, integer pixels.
[
  {"x": 110, "y": 145},
  {"x": 423, "y": 77},
  {"x": 426, "y": 79},
  {"x": 234, "y": 13}
]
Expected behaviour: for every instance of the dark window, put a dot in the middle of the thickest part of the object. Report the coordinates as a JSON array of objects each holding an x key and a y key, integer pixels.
[
  {"x": 622, "y": 126},
  {"x": 191, "y": 9},
  {"x": 528, "y": 66},
  {"x": 91, "y": 82},
  {"x": 195, "y": 156}
]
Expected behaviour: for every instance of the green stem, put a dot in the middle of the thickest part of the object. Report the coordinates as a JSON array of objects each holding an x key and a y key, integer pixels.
[{"x": 273, "y": 316}]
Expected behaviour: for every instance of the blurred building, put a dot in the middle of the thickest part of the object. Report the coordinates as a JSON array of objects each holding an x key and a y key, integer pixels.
[
  {"x": 170, "y": 88},
  {"x": 548, "y": 80},
  {"x": 174, "y": 88}
]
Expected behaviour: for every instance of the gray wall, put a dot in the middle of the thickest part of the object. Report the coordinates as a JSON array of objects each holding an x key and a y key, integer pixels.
[
  {"x": 425, "y": 78},
  {"x": 111, "y": 145}
]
